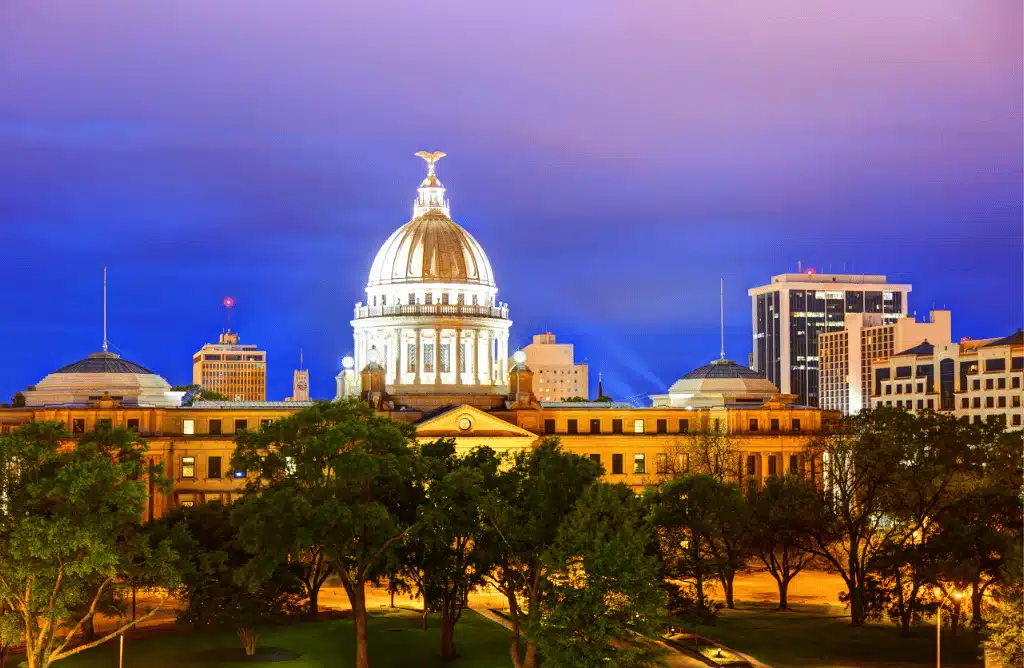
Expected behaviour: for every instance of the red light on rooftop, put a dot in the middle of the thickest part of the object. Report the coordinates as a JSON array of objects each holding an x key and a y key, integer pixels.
[
  {"x": 811, "y": 271},
  {"x": 964, "y": 339},
  {"x": 228, "y": 302}
]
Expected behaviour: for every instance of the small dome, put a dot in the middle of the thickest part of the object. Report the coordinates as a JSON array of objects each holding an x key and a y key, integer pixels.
[
  {"x": 88, "y": 379},
  {"x": 722, "y": 369},
  {"x": 431, "y": 248},
  {"x": 104, "y": 363},
  {"x": 720, "y": 383}
]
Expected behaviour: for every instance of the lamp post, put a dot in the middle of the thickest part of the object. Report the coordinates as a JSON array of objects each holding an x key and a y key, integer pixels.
[{"x": 938, "y": 626}]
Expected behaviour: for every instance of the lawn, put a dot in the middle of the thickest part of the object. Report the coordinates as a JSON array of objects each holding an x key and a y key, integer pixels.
[
  {"x": 396, "y": 640},
  {"x": 821, "y": 636}
]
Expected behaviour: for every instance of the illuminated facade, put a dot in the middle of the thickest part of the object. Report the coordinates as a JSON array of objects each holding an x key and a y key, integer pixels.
[
  {"x": 791, "y": 312},
  {"x": 846, "y": 356},
  {"x": 238, "y": 371},
  {"x": 978, "y": 380},
  {"x": 432, "y": 318},
  {"x": 556, "y": 376}
]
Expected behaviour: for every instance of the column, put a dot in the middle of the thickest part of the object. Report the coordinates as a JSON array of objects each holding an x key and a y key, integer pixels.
[
  {"x": 396, "y": 376},
  {"x": 419, "y": 358},
  {"x": 490, "y": 357},
  {"x": 476, "y": 356},
  {"x": 437, "y": 356},
  {"x": 458, "y": 358},
  {"x": 759, "y": 470},
  {"x": 503, "y": 358}
]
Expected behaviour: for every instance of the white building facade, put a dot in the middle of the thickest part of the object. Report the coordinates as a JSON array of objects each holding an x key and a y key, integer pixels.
[
  {"x": 556, "y": 375},
  {"x": 846, "y": 356},
  {"x": 432, "y": 318}
]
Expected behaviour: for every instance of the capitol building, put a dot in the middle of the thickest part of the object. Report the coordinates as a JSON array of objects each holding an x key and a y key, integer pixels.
[{"x": 432, "y": 320}]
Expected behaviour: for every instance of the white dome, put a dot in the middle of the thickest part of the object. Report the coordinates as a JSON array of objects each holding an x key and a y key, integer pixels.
[{"x": 431, "y": 248}]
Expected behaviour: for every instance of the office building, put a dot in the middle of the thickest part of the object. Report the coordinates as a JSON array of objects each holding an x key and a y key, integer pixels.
[
  {"x": 238, "y": 371},
  {"x": 979, "y": 380},
  {"x": 791, "y": 312},
  {"x": 846, "y": 356},
  {"x": 556, "y": 375}
]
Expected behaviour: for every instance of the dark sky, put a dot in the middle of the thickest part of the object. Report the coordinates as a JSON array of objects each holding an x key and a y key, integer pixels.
[{"x": 614, "y": 159}]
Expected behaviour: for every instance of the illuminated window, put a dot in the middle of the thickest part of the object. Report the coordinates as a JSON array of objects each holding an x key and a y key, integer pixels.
[
  {"x": 428, "y": 357},
  {"x": 428, "y": 298},
  {"x": 638, "y": 426},
  {"x": 446, "y": 358},
  {"x": 661, "y": 463},
  {"x": 639, "y": 463},
  {"x": 188, "y": 467},
  {"x": 188, "y": 426},
  {"x": 410, "y": 357}
]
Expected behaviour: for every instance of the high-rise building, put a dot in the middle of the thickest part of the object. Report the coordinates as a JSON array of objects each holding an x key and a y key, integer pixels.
[
  {"x": 975, "y": 380},
  {"x": 238, "y": 371},
  {"x": 846, "y": 356},
  {"x": 789, "y": 313},
  {"x": 556, "y": 376}
]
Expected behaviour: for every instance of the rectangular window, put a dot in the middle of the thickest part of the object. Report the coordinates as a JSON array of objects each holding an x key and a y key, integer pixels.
[
  {"x": 1015, "y": 382},
  {"x": 571, "y": 427},
  {"x": 78, "y": 426},
  {"x": 617, "y": 426},
  {"x": 638, "y": 426},
  {"x": 751, "y": 465},
  {"x": 753, "y": 424},
  {"x": 639, "y": 464},
  {"x": 429, "y": 298},
  {"x": 214, "y": 427},
  {"x": 428, "y": 357},
  {"x": 662, "y": 426},
  {"x": 920, "y": 387},
  {"x": 132, "y": 424},
  {"x": 977, "y": 402},
  {"x": 616, "y": 464},
  {"x": 772, "y": 470},
  {"x": 794, "y": 465},
  {"x": 241, "y": 425},
  {"x": 213, "y": 469},
  {"x": 595, "y": 458},
  {"x": 1016, "y": 420},
  {"x": 1002, "y": 402},
  {"x": 684, "y": 426},
  {"x": 549, "y": 426},
  {"x": 1015, "y": 401},
  {"x": 595, "y": 426},
  {"x": 899, "y": 389},
  {"x": 412, "y": 298},
  {"x": 1001, "y": 383},
  {"x": 775, "y": 424},
  {"x": 444, "y": 297},
  {"x": 990, "y": 384},
  {"x": 661, "y": 463},
  {"x": 990, "y": 402},
  {"x": 462, "y": 356},
  {"x": 446, "y": 366},
  {"x": 997, "y": 364},
  {"x": 265, "y": 422},
  {"x": 188, "y": 467},
  {"x": 976, "y": 384},
  {"x": 888, "y": 388},
  {"x": 931, "y": 404},
  {"x": 796, "y": 424},
  {"x": 410, "y": 357},
  {"x": 965, "y": 403},
  {"x": 188, "y": 427},
  {"x": 1017, "y": 363}
]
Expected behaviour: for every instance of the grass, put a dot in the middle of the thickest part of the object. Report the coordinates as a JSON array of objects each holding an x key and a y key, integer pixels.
[
  {"x": 396, "y": 640},
  {"x": 821, "y": 636}
]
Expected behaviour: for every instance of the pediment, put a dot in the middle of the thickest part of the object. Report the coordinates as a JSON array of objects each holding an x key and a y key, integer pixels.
[{"x": 467, "y": 421}]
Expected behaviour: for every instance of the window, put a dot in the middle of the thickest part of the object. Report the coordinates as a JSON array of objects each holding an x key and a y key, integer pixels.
[
  {"x": 1001, "y": 383},
  {"x": 428, "y": 357},
  {"x": 661, "y": 463},
  {"x": 976, "y": 384},
  {"x": 794, "y": 465},
  {"x": 1015, "y": 383},
  {"x": 753, "y": 424},
  {"x": 595, "y": 458},
  {"x": 213, "y": 469},
  {"x": 571, "y": 427},
  {"x": 410, "y": 357},
  {"x": 78, "y": 426},
  {"x": 772, "y": 470},
  {"x": 265, "y": 422},
  {"x": 616, "y": 464},
  {"x": 444, "y": 297},
  {"x": 1002, "y": 402},
  {"x": 775, "y": 424},
  {"x": 214, "y": 427},
  {"x": 638, "y": 426},
  {"x": 977, "y": 402},
  {"x": 998, "y": 364},
  {"x": 920, "y": 387},
  {"x": 796, "y": 424},
  {"x": 990, "y": 402},
  {"x": 186, "y": 502},
  {"x": 1015, "y": 401},
  {"x": 429, "y": 298},
  {"x": 617, "y": 426},
  {"x": 1016, "y": 420},
  {"x": 965, "y": 403},
  {"x": 888, "y": 388},
  {"x": 549, "y": 426},
  {"x": 751, "y": 465},
  {"x": 899, "y": 389},
  {"x": 920, "y": 404},
  {"x": 595, "y": 426},
  {"x": 639, "y": 463},
  {"x": 132, "y": 424},
  {"x": 662, "y": 426},
  {"x": 188, "y": 426},
  {"x": 684, "y": 426},
  {"x": 412, "y": 298},
  {"x": 241, "y": 425},
  {"x": 446, "y": 365},
  {"x": 188, "y": 467},
  {"x": 990, "y": 384}
]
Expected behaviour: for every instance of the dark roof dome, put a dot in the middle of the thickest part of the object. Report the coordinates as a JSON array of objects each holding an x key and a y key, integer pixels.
[
  {"x": 104, "y": 363},
  {"x": 1015, "y": 339},
  {"x": 923, "y": 348},
  {"x": 722, "y": 369}
]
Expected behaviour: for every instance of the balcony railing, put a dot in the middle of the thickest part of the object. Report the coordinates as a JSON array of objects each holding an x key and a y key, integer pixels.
[{"x": 478, "y": 310}]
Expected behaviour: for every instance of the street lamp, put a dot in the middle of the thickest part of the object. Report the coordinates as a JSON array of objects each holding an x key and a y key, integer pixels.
[{"x": 938, "y": 626}]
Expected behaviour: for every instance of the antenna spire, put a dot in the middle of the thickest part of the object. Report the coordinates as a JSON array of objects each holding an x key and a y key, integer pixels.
[
  {"x": 300, "y": 359},
  {"x": 104, "y": 309},
  {"x": 721, "y": 310}
]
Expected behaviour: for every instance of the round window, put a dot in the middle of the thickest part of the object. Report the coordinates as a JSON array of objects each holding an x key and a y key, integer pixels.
[{"x": 465, "y": 423}]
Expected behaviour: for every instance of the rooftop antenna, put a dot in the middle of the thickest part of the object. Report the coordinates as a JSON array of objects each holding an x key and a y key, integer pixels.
[
  {"x": 229, "y": 304},
  {"x": 104, "y": 309},
  {"x": 721, "y": 310},
  {"x": 300, "y": 359}
]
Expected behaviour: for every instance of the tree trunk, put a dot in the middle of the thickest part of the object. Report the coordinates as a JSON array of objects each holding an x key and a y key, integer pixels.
[
  {"x": 89, "y": 628},
  {"x": 135, "y": 588},
  {"x": 447, "y": 633},
  {"x": 357, "y": 595},
  {"x": 392, "y": 598},
  {"x": 5, "y": 651},
  {"x": 783, "y": 593},
  {"x": 314, "y": 605},
  {"x": 700, "y": 591},
  {"x": 856, "y": 602},
  {"x": 977, "y": 600},
  {"x": 248, "y": 638},
  {"x": 426, "y": 611},
  {"x": 727, "y": 585}
]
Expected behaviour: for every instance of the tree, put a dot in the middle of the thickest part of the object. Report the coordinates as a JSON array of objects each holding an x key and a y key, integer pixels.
[
  {"x": 782, "y": 522},
  {"x": 65, "y": 524},
  {"x": 219, "y": 591},
  {"x": 602, "y": 596},
  {"x": 714, "y": 453},
  {"x": 576, "y": 400},
  {"x": 1006, "y": 626},
  {"x": 18, "y": 400},
  {"x": 442, "y": 556},
  {"x": 358, "y": 479},
  {"x": 523, "y": 514}
]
